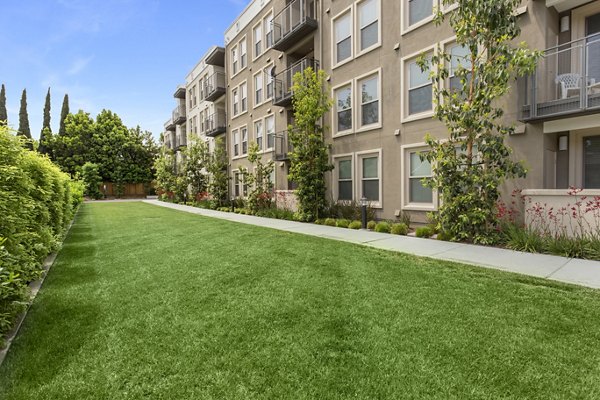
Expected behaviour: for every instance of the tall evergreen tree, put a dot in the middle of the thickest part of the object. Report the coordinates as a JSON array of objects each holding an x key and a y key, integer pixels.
[
  {"x": 46, "y": 133},
  {"x": 3, "y": 113},
  {"x": 63, "y": 115},
  {"x": 24, "y": 121}
]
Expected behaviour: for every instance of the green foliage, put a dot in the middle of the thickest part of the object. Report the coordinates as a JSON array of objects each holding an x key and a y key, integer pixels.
[
  {"x": 46, "y": 133},
  {"x": 424, "y": 232},
  {"x": 349, "y": 210},
  {"x": 444, "y": 236},
  {"x": 399, "y": 229},
  {"x": 24, "y": 122},
  {"x": 371, "y": 225},
  {"x": 319, "y": 221},
  {"x": 35, "y": 207},
  {"x": 276, "y": 213},
  {"x": 329, "y": 222},
  {"x": 218, "y": 186},
  {"x": 355, "y": 225},
  {"x": 470, "y": 165},
  {"x": 91, "y": 180},
  {"x": 309, "y": 158},
  {"x": 165, "y": 174},
  {"x": 383, "y": 227},
  {"x": 64, "y": 113},
  {"x": 77, "y": 191},
  {"x": 342, "y": 223},
  {"x": 404, "y": 218},
  {"x": 3, "y": 113},
  {"x": 258, "y": 180},
  {"x": 196, "y": 158}
]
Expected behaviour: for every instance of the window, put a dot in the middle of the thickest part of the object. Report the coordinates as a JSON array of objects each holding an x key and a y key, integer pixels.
[
  {"x": 234, "y": 60},
  {"x": 195, "y": 101},
  {"x": 257, "y": 40},
  {"x": 258, "y": 88},
  {"x": 244, "y": 141},
  {"x": 343, "y": 37},
  {"x": 243, "y": 54},
  {"x": 237, "y": 183},
  {"x": 236, "y": 142},
  {"x": 420, "y": 90},
  {"x": 270, "y": 122},
  {"x": 418, "y": 10},
  {"x": 236, "y": 99},
  {"x": 591, "y": 162},
  {"x": 419, "y": 169},
  {"x": 459, "y": 58},
  {"x": 258, "y": 131},
  {"x": 195, "y": 124},
  {"x": 368, "y": 21},
  {"x": 190, "y": 95},
  {"x": 269, "y": 78},
  {"x": 370, "y": 178},
  {"x": 268, "y": 21},
  {"x": 244, "y": 96},
  {"x": 345, "y": 180},
  {"x": 369, "y": 108},
  {"x": 343, "y": 98}
]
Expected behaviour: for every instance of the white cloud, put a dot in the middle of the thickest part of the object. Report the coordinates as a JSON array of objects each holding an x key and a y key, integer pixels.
[{"x": 79, "y": 65}]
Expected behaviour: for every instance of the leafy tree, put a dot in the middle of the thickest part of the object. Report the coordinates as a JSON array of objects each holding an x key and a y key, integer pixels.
[
  {"x": 165, "y": 174},
  {"x": 309, "y": 158},
  {"x": 74, "y": 147},
  {"x": 195, "y": 166},
  {"x": 217, "y": 170},
  {"x": 3, "y": 113},
  {"x": 64, "y": 113},
  {"x": 24, "y": 121},
  {"x": 46, "y": 134},
  {"x": 470, "y": 165},
  {"x": 258, "y": 179},
  {"x": 91, "y": 180}
]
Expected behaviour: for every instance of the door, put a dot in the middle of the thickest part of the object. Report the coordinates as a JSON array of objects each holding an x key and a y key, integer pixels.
[
  {"x": 591, "y": 162},
  {"x": 592, "y": 33}
]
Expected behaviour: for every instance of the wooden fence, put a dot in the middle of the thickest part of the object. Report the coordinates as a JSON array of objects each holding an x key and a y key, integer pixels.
[{"x": 130, "y": 190}]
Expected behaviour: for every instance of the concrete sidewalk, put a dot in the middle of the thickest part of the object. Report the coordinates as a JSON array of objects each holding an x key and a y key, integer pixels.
[{"x": 562, "y": 269}]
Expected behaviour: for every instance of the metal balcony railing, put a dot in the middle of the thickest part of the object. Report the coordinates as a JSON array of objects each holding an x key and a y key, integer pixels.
[
  {"x": 215, "y": 123},
  {"x": 283, "y": 147},
  {"x": 284, "y": 81},
  {"x": 566, "y": 81},
  {"x": 293, "y": 23},
  {"x": 179, "y": 114},
  {"x": 214, "y": 87}
]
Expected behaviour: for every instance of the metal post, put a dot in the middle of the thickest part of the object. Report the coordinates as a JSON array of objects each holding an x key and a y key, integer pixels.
[{"x": 363, "y": 212}]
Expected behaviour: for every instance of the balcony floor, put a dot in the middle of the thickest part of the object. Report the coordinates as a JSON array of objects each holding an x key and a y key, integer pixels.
[
  {"x": 554, "y": 108},
  {"x": 296, "y": 34}
]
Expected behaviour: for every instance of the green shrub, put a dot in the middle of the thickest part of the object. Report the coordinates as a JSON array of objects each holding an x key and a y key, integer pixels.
[
  {"x": 522, "y": 239},
  {"x": 400, "y": 229},
  {"x": 383, "y": 227},
  {"x": 371, "y": 225},
  {"x": 90, "y": 174},
  {"x": 319, "y": 221},
  {"x": 350, "y": 210},
  {"x": 424, "y": 232},
  {"x": 444, "y": 236},
  {"x": 77, "y": 190},
  {"x": 342, "y": 223},
  {"x": 404, "y": 218},
  {"x": 329, "y": 222},
  {"x": 274, "y": 212},
  {"x": 355, "y": 225}
]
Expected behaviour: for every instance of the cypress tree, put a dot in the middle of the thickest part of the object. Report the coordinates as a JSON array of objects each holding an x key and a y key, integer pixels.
[
  {"x": 63, "y": 115},
  {"x": 24, "y": 121},
  {"x": 46, "y": 133},
  {"x": 3, "y": 113}
]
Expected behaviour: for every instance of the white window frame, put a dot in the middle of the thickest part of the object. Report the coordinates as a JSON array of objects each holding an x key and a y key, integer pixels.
[
  {"x": 406, "y": 150},
  {"x": 243, "y": 97},
  {"x": 268, "y": 28},
  {"x": 236, "y": 142},
  {"x": 261, "y": 40},
  {"x": 404, "y": 15},
  {"x": 239, "y": 185},
  {"x": 235, "y": 93},
  {"x": 266, "y": 71},
  {"x": 360, "y": 155},
  {"x": 243, "y": 56},
  {"x": 334, "y": 114},
  {"x": 262, "y": 88},
  {"x": 267, "y": 148},
  {"x": 242, "y": 152},
  {"x": 358, "y": 51},
  {"x": 262, "y": 134},
  {"x": 405, "y": 79},
  {"x": 336, "y": 159},
  {"x": 350, "y": 11},
  {"x": 235, "y": 55},
  {"x": 359, "y": 104}
]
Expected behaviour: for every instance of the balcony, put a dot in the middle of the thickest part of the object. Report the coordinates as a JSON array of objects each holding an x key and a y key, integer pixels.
[
  {"x": 293, "y": 24},
  {"x": 180, "y": 92},
  {"x": 283, "y": 147},
  {"x": 566, "y": 81},
  {"x": 216, "y": 57},
  {"x": 179, "y": 114},
  {"x": 169, "y": 125},
  {"x": 214, "y": 87},
  {"x": 215, "y": 124},
  {"x": 285, "y": 80}
]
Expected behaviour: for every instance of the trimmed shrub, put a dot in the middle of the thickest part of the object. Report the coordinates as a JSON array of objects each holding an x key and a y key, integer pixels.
[
  {"x": 355, "y": 225},
  {"x": 319, "y": 221},
  {"x": 424, "y": 232},
  {"x": 444, "y": 236},
  {"x": 383, "y": 227},
  {"x": 90, "y": 173},
  {"x": 329, "y": 222},
  {"x": 342, "y": 223},
  {"x": 400, "y": 229},
  {"x": 371, "y": 225}
]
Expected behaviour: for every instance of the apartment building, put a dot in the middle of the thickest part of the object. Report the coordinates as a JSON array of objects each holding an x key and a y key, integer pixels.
[
  {"x": 383, "y": 103},
  {"x": 175, "y": 135}
]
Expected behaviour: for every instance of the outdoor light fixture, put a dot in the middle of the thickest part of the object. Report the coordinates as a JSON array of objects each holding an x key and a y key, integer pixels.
[
  {"x": 233, "y": 204},
  {"x": 364, "y": 202}
]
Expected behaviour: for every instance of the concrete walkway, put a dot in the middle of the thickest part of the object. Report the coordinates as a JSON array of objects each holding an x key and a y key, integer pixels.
[{"x": 562, "y": 269}]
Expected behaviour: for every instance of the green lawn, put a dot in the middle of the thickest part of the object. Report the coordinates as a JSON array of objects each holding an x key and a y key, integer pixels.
[{"x": 151, "y": 303}]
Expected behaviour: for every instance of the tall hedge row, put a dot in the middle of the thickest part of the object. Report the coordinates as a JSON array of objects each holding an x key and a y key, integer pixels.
[{"x": 36, "y": 205}]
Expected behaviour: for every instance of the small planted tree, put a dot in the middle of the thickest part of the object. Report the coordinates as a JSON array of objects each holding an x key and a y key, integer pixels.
[
  {"x": 309, "y": 159},
  {"x": 194, "y": 167},
  {"x": 258, "y": 180},
  {"x": 166, "y": 179},
  {"x": 90, "y": 173},
  {"x": 470, "y": 165},
  {"x": 217, "y": 170}
]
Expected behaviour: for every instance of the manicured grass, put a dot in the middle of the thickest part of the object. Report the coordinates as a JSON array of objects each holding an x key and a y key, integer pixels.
[{"x": 146, "y": 302}]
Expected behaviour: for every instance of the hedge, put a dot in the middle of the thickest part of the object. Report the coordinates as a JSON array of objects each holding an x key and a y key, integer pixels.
[{"x": 36, "y": 205}]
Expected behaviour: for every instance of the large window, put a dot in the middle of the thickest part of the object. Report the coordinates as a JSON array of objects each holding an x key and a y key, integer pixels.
[
  {"x": 258, "y": 88},
  {"x": 420, "y": 90},
  {"x": 244, "y": 132},
  {"x": 418, "y": 10},
  {"x": 258, "y": 132},
  {"x": 234, "y": 60},
  {"x": 244, "y": 97},
  {"x": 268, "y": 22},
  {"x": 270, "y": 123},
  {"x": 269, "y": 79},
  {"x": 343, "y": 98},
  {"x": 343, "y": 37},
  {"x": 236, "y": 142},
  {"x": 235, "y": 95},
  {"x": 459, "y": 58},
  {"x": 419, "y": 169},
  {"x": 237, "y": 184},
  {"x": 243, "y": 54},
  {"x": 591, "y": 162},
  {"x": 370, "y": 178},
  {"x": 345, "y": 179},
  {"x": 257, "y": 40},
  {"x": 369, "y": 107},
  {"x": 368, "y": 21}
]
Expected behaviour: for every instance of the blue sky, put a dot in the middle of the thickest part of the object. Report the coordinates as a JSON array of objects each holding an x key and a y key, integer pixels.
[{"x": 124, "y": 55}]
